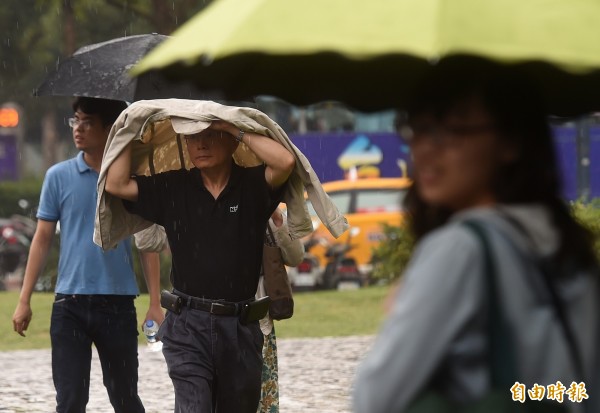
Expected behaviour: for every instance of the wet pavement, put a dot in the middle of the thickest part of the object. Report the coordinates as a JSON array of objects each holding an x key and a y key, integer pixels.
[{"x": 315, "y": 375}]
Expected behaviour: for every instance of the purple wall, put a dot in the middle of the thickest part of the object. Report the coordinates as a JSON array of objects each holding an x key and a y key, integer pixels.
[
  {"x": 330, "y": 154},
  {"x": 9, "y": 158},
  {"x": 595, "y": 161},
  {"x": 566, "y": 154}
]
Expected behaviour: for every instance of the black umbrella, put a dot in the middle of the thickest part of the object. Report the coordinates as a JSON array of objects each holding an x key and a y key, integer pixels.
[{"x": 101, "y": 70}]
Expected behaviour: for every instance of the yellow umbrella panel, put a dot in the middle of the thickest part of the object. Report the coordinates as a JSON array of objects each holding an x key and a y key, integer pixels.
[{"x": 369, "y": 53}]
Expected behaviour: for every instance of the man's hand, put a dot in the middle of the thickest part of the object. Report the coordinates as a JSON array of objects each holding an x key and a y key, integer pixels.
[
  {"x": 277, "y": 218},
  {"x": 22, "y": 318},
  {"x": 156, "y": 314},
  {"x": 278, "y": 160},
  {"x": 223, "y": 126}
]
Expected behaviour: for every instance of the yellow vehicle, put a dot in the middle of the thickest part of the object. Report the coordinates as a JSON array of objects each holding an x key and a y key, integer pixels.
[{"x": 366, "y": 203}]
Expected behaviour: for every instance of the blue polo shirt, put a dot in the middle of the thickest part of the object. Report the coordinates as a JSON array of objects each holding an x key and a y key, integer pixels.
[{"x": 69, "y": 196}]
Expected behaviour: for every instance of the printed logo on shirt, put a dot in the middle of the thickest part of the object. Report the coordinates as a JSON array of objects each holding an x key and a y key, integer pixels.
[{"x": 233, "y": 208}]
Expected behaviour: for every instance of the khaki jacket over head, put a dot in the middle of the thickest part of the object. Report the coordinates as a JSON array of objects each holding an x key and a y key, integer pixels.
[{"x": 156, "y": 128}]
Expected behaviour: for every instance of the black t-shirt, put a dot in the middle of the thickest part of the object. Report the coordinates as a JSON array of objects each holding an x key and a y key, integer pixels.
[{"x": 216, "y": 244}]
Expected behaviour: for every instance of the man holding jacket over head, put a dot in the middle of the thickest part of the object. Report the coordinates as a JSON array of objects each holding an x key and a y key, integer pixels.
[{"x": 215, "y": 216}]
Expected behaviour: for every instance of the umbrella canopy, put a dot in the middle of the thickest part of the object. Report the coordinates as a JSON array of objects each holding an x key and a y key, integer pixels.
[
  {"x": 368, "y": 54},
  {"x": 101, "y": 70}
]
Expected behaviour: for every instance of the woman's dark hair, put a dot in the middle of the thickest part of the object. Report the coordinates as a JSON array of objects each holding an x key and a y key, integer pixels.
[
  {"x": 108, "y": 110},
  {"x": 518, "y": 113}
]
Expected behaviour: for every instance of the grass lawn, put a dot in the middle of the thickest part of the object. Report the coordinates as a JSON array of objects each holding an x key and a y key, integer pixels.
[{"x": 316, "y": 314}]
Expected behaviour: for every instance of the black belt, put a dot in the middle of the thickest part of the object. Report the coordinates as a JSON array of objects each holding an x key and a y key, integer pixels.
[
  {"x": 218, "y": 307},
  {"x": 96, "y": 297}
]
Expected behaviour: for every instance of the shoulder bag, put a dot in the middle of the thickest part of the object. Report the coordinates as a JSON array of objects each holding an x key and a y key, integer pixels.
[{"x": 276, "y": 282}]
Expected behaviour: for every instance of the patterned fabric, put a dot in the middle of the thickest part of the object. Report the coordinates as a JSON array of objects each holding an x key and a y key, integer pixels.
[{"x": 269, "y": 400}]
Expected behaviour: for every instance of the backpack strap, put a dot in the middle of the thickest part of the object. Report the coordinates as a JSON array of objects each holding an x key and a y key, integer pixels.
[
  {"x": 501, "y": 349},
  {"x": 549, "y": 272}
]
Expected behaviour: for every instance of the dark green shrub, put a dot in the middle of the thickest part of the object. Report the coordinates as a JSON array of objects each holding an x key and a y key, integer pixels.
[
  {"x": 392, "y": 254},
  {"x": 13, "y": 192},
  {"x": 588, "y": 214}
]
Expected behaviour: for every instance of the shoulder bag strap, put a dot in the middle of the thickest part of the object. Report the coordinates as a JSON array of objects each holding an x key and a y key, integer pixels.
[{"x": 270, "y": 237}]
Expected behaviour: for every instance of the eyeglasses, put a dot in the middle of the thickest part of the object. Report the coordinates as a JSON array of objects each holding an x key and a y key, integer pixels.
[
  {"x": 84, "y": 123},
  {"x": 442, "y": 135}
]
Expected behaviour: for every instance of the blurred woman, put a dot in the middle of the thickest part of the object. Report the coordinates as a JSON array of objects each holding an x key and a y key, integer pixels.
[
  {"x": 483, "y": 152},
  {"x": 292, "y": 252}
]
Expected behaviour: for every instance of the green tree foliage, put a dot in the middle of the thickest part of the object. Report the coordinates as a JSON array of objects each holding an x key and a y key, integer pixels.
[
  {"x": 391, "y": 255},
  {"x": 588, "y": 214},
  {"x": 37, "y": 34},
  {"x": 27, "y": 52}
]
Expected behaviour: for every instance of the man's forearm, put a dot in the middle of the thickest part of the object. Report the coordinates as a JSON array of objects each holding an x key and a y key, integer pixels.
[
  {"x": 38, "y": 254},
  {"x": 269, "y": 151},
  {"x": 280, "y": 161},
  {"x": 151, "y": 268},
  {"x": 118, "y": 177}
]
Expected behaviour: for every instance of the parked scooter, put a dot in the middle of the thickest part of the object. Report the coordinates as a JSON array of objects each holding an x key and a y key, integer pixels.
[
  {"x": 15, "y": 238},
  {"x": 341, "y": 271},
  {"x": 306, "y": 275}
]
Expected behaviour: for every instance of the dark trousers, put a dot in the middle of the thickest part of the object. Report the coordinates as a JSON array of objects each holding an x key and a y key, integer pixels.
[
  {"x": 215, "y": 362},
  {"x": 110, "y": 323}
]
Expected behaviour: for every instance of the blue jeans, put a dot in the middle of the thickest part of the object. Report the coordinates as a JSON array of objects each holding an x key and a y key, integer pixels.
[
  {"x": 110, "y": 323},
  {"x": 214, "y": 361}
]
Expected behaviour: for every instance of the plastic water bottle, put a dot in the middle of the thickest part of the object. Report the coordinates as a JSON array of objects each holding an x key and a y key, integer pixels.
[{"x": 150, "y": 329}]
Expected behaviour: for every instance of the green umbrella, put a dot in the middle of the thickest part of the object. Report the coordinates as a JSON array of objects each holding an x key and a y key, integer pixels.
[{"x": 368, "y": 54}]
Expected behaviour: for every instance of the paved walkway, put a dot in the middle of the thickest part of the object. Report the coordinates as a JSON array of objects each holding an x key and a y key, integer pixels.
[{"x": 315, "y": 375}]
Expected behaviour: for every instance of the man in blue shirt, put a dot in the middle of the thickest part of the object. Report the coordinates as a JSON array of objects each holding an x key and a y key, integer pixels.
[{"x": 95, "y": 290}]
